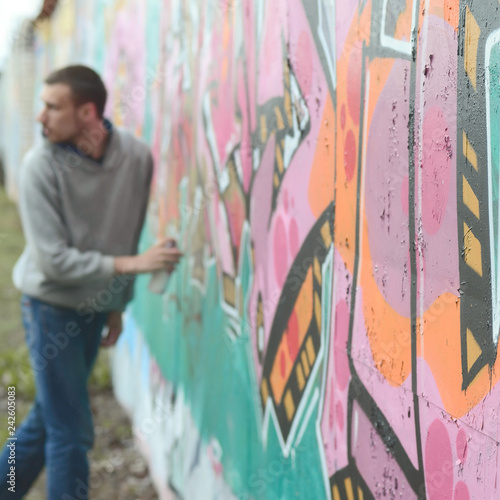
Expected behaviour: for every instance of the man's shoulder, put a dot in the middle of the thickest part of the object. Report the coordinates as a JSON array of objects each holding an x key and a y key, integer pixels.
[
  {"x": 40, "y": 151},
  {"x": 39, "y": 157}
]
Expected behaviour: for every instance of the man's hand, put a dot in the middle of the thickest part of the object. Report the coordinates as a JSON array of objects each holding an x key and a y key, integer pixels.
[
  {"x": 114, "y": 324},
  {"x": 155, "y": 258}
]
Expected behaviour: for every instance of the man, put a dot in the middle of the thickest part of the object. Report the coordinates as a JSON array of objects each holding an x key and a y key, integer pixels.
[{"x": 83, "y": 195}]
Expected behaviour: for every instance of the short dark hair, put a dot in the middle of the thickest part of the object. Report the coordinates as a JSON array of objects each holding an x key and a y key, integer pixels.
[{"x": 86, "y": 85}]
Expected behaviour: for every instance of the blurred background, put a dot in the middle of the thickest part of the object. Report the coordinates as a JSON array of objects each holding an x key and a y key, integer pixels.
[{"x": 118, "y": 469}]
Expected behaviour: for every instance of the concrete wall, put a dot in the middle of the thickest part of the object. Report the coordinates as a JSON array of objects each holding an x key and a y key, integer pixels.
[{"x": 331, "y": 169}]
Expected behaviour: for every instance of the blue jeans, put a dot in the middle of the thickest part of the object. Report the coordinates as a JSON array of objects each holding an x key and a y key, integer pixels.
[{"x": 58, "y": 432}]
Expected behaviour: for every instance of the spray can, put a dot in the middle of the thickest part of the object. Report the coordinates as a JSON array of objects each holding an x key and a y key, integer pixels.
[{"x": 159, "y": 279}]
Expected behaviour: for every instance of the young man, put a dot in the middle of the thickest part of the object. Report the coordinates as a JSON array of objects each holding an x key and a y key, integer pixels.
[{"x": 83, "y": 199}]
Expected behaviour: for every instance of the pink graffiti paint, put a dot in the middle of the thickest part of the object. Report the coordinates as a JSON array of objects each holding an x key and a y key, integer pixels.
[
  {"x": 436, "y": 130},
  {"x": 304, "y": 62},
  {"x": 333, "y": 419},
  {"x": 126, "y": 66},
  {"x": 271, "y": 52},
  {"x": 350, "y": 155},
  {"x": 461, "y": 491},
  {"x": 386, "y": 173},
  {"x": 461, "y": 446},
  {"x": 438, "y": 463}
]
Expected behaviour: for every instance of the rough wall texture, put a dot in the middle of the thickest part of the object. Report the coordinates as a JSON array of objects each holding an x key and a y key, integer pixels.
[{"x": 331, "y": 169}]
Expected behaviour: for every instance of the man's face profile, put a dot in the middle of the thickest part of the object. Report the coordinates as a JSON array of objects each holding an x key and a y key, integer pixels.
[{"x": 60, "y": 118}]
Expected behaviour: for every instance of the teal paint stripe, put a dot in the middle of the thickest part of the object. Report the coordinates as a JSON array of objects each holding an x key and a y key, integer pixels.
[{"x": 218, "y": 387}]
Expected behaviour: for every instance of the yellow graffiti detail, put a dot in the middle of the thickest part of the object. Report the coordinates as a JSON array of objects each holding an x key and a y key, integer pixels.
[
  {"x": 305, "y": 363},
  {"x": 335, "y": 492},
  {"x": 311, "y": 354},
  {"x": 263, "y": 129},
  {"x": 326, "y": 234},
  {"x": 280, "y": 124},
  {"x": 469, "y": 152},
  {"x": 264, "y": 389},
  {"x": 470, "y": 198},
  {"x": 348, "y": 488},
  {"x": 304, "y": 306},
  {"x": 301, "y": 381},
  {"x": 282, "y": 369},
  {"x": 317, "y": 271},
  {"x": 317, "y": 310},
  {"x": 279, "y": 159},
  {"x": 472, "y": 251},
  {"x": 472, "y": 34},
  {"x": 289, "y": 405},
  {"x": 473, "y": 350},
  {"x": 276, "y": 180}
]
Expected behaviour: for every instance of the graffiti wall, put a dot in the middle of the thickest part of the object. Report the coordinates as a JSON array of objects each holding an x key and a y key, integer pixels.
[{"x": 331, "y": 170}]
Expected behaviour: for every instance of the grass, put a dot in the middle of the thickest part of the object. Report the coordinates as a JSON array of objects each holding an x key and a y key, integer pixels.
[{"x": 11, "y": 246}]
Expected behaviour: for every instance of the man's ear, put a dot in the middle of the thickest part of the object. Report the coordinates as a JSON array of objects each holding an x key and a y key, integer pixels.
[{"x": 88, "y": 111}]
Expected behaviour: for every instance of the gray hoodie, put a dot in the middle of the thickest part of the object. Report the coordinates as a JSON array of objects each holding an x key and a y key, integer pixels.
[{"x": 76, "y": 215}]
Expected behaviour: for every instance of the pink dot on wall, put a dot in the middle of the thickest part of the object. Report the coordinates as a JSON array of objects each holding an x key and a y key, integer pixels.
[
  {"x": 280, "y": 252},
  {"x": 438, "y": 463},
  {"x": 350, "y": 155},
  {"x": 462, "y": 446},
  {"x": 461, "y": 491}
]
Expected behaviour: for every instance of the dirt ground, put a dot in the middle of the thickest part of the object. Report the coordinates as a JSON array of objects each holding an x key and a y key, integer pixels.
[{"x": 118, "y": 471}]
